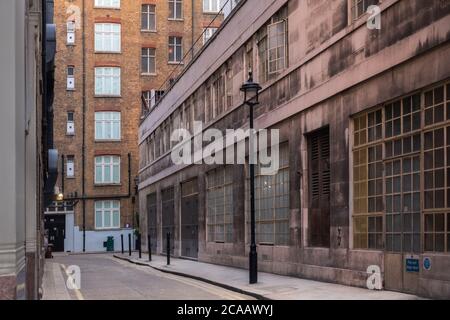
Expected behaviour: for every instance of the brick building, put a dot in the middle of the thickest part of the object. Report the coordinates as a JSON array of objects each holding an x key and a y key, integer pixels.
[
  {"x": 114, "y": 60},
  {"x": 363, "y": 115}
]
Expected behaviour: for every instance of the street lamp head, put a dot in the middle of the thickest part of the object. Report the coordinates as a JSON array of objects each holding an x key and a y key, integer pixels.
[
  {"x": 59, "y": 197},
  {"x": 251, "y": 90}
]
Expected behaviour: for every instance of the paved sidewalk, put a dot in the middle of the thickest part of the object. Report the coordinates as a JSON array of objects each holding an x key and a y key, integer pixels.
[
  {"x": 54, "y": 285},
  {"x": 270, "y": 286}
]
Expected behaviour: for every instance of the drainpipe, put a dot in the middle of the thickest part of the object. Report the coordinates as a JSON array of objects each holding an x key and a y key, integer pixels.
[
  {"x": 62, "y": 174},
  {"x": 129, "y": 174},
  {"x": 83, "y": 151}
]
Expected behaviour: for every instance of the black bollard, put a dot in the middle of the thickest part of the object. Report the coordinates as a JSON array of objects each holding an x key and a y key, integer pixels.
[
  {"x": 140, "y": 246},
  {"x": 149, "y": 243},
  {"x": 168, "y": 248},
  {"x": 121, "y": 243},
  {"x": 129, "y": 244}
]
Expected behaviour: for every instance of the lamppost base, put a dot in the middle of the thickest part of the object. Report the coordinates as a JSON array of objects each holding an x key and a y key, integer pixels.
[{"x": 253, "y": 266}]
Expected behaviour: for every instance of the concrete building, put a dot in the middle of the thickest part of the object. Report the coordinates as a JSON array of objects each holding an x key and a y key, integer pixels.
[
  {"x": 24, "y": 141},
  {"x": 114, "y": 60},
  {"x": 363, "y": 120}
]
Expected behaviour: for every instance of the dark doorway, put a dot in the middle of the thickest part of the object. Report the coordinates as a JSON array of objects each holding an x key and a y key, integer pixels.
[
  {"x": 152, "y": 221},
  {"x": 168, "y": 218},
  {"x": 319, "y": 188},
  {"x": 189, "y": 219},
  {"x": 56, "y": 226}
]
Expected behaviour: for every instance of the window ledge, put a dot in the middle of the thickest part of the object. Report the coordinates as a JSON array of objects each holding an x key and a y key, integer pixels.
[
  {"x": 175, "y": 63},
  {"x": 106, "y": 96},
  {"x": 67, "y": 89},
  {"x": 108, "y": 140},
  {"x": 107, "y": 184},
  {"x": 176, "y": 19},
  {"x": 108, "y": 52},
  {"x": 108, "y": 8},
  {"x": 108, "y": 229},
  {"x": 70, "y": 178},
  {"x": 149, "y": 74},
  {"x": 148, "y": 31},
  {"x": 70, "y": 134},
  {"x": 364, "y": 16},
  {"x": 266, "y": 244}
]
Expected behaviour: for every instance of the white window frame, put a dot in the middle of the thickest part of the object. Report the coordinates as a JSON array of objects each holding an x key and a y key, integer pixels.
[
  {"x": 107, "y": 208},
  {"x": 70, "y": 78},
  {"x": 115, "y": 4},
  {"x": 71, "y": 33},
  {"x": 148, "y": 13},
  {"x": 107, "y": 34},
  {"x": 146, "y": 53},
  {"x": 176, "y": 46},
  {"x": 175, "y": 12},
  {"x": 105, "y": 123},
  {"x": 70, "y": 124},
  {"x": 107, "y": 161},
  {"x": 208, "y": 33},
  {"x": 208, "y": 6},
  {"x": 108, "y": 76},
  {"x": 70, "y": 167}
]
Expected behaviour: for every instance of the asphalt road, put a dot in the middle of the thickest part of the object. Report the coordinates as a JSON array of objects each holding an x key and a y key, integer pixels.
[{"x": 104, "y": 277}]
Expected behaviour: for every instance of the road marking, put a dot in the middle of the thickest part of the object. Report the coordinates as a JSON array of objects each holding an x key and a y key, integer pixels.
[{"x": 78, "y": 293}]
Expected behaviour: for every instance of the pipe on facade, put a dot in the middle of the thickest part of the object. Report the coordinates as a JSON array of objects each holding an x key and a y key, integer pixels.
[
  {"x": 62, "y": 174},
  {"x": 83, "y": 152}
]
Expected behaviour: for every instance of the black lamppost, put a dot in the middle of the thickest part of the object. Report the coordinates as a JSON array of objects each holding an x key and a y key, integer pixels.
[{"x": 251, "y": 98}]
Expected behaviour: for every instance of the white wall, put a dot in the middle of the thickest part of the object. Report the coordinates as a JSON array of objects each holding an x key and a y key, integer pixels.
[{"x": 95, "y": 239}]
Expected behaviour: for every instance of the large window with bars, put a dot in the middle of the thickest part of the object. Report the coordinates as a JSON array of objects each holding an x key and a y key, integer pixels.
[
  {"x": 219, "y": 198},
  {"x": 272, "y": 203},
  {"x": 368, "y": 185},
  {"x": 401, "y": 174}
]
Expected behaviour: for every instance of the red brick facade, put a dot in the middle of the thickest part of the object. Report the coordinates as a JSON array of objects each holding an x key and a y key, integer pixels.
[{"x": 83, "y": 102}]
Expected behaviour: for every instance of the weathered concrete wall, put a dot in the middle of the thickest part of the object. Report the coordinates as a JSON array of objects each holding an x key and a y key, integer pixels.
[{"x": 336, "y": 69}]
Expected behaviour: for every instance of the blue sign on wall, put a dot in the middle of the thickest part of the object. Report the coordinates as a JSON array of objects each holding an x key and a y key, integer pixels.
[
  {"x": 412, "y": 265},
  {"x": 427, "y": 264}
]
